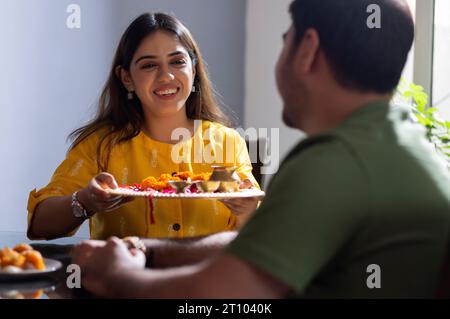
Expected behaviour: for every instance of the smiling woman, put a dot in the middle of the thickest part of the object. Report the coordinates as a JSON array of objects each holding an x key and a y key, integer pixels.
[
  {"x": 158, "y": 83},
  {"x": 162, "y": 81}
]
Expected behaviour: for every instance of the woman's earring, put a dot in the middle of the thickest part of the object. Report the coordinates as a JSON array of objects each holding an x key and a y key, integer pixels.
[
  {"x": 194, "y": 89},
  {"x": 130, "y": 95}
]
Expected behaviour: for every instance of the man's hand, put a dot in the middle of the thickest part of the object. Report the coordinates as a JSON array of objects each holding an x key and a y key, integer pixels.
[
  {"x": 110, "y": 270},
  {"x": 101, "y": 261}
]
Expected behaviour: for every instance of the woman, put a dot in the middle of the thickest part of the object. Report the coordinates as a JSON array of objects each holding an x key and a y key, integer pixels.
[{"x": 158, "y": 83}]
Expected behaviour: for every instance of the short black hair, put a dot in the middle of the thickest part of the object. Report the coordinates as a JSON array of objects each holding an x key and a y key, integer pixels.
[{"x": 361, "y": 58}]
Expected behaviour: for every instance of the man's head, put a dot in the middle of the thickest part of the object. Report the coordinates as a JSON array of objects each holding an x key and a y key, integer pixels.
[{"x": 335, "y": 44}]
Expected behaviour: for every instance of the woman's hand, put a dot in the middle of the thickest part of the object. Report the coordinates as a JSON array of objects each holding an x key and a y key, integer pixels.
[
  {"x": 241, "y": 206},
  {"x": 96, "y": 198}
]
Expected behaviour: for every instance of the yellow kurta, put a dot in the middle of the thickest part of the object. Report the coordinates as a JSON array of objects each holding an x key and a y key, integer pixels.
[{"x": 134, "y": 160}]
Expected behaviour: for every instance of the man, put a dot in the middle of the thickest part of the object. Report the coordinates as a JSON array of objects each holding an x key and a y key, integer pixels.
[{"x": 358, "y": 209}]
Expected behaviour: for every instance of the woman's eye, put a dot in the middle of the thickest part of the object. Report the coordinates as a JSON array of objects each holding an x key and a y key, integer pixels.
[
  {"x": 179, "y": 62},
  {"x": 148, "y": 66}
]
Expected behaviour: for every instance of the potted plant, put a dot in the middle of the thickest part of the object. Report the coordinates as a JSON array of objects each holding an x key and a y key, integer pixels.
[{"x": 437, "y": 129}]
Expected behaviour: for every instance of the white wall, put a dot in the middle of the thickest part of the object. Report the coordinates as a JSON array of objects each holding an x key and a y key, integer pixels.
[
  {"x": 267, "y": 20},
  {"x": 441, "y": 81},
  {"x": 50, "y": 76},
  {"x": 408, "y": 72}
]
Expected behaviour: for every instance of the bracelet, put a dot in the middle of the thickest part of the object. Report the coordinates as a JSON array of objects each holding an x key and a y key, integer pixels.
[
  {"x": 133, "y": 242},
  {"x": 78, "y": 209}
]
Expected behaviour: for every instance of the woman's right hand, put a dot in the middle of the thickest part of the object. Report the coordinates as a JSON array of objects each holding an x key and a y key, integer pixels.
[{"x": 96, "y": 198}]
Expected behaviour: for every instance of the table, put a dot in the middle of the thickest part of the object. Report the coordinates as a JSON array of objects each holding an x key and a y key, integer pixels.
[{"x": 51, "y": 286}]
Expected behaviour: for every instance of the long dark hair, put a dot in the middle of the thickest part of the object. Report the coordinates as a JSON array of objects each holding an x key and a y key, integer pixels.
[{"x": 119, "y": 119}]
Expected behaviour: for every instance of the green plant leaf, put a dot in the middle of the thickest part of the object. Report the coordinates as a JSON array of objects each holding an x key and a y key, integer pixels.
[
  {"x": 421, "y": 107},
  {"x": 440, "y": 124},
  {"x": 431, "y": 110},
  {"x": 421, "y": 102},
  {"x": 416, "y": 88},
  {"x": 437, "y": 129},
  {"x": 407, "y": 94},
  {"x": 423, "y": 120}
]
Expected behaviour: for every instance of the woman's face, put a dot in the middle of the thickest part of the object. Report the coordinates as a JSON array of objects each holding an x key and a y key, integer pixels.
[{"x": 161, "y": 74}]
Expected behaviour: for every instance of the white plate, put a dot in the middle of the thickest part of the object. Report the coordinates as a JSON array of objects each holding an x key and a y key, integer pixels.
[
  {"x": 51, "y": 265},
  {"x": 245, "y": 193}
]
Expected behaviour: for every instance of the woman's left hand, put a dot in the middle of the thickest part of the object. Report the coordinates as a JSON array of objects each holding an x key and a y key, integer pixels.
[{"x": 242, "y": 208}]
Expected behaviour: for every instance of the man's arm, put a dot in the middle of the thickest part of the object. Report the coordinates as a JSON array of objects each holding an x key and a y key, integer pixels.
[
  {"x": 163, "y": 253},
  {"x": 224, "y": 277}
]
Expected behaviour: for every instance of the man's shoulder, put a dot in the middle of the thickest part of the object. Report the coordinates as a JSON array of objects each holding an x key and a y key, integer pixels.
[
  {"x": 318, "y": 161},
  {"x": 319, "y": 150}
]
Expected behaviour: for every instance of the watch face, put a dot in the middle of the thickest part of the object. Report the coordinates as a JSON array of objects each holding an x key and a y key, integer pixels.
[{"x": 78, "y": 211}]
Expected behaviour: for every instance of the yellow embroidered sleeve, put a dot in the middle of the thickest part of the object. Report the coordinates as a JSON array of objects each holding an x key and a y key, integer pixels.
[{"x": 73, "y": 173}]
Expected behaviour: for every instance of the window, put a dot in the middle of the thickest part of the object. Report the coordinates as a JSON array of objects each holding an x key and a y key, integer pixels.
[
  {"x": 441, "y": 58},
  {"x": 408, "y": 72}
]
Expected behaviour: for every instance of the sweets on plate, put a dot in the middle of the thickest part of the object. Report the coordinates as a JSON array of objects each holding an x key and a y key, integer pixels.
[
  {"x": 164, "y": 183},
  {"x": 221, "y": 179},
  {"x": 21, "y": 257}
]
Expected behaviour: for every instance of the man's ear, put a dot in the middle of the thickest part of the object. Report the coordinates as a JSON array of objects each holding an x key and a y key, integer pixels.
[
  {"x": 307, "y": 51},
  {"x": 125, "y": 78}
]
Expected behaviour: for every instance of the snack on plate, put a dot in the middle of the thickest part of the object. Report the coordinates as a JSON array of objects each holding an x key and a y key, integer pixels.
[
  {"x": 22, "y": 247},
  {"x": 221, "y": 179},
  {"x": 164, "y": 183},
  {"x": 21, "y": 257}
]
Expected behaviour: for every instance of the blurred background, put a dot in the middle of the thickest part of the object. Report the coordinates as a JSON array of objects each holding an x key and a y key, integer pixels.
[{"x": 51, "y": 76}]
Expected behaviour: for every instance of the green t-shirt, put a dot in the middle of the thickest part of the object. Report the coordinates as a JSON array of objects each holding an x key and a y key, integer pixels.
[{"x": 370, "y": 192}]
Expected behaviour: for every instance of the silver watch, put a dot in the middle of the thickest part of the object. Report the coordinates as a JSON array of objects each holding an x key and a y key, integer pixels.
[{"x": 78, "y": 209}]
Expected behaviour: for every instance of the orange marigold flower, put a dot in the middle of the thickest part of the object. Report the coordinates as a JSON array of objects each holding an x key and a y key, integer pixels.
[{"x": 201, "y": 177}]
